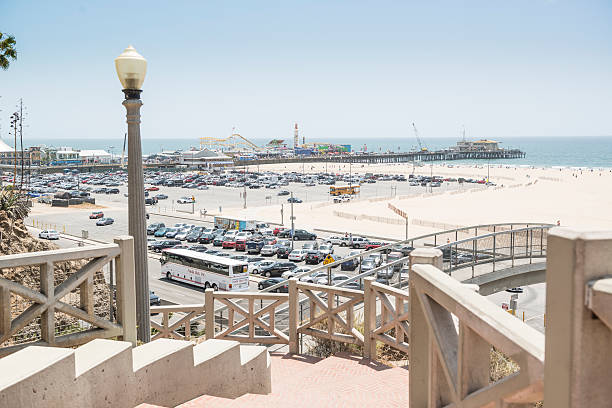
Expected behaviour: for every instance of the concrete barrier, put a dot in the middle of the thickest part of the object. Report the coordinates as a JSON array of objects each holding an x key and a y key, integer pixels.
[{"x": 110, "y": 373}]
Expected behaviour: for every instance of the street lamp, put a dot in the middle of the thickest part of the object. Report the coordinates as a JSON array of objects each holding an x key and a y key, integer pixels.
[{"x": 131, "y": 69}]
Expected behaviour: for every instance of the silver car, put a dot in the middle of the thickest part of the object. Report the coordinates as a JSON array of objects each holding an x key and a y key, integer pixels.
[{"x": 268, "y": 250}]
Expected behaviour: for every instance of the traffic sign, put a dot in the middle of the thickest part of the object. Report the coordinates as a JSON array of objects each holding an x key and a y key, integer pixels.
[{"x": 329, "y": 259}]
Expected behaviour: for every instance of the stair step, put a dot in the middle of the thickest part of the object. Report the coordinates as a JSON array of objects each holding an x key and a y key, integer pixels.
[
  {"x": 24, "y": 370},
  {"x": 96, "y": 352},
  {"x": 161, "y": 369},
  {"x": 103, "y": 373},
  {"x": 212, "y": 348},
  {"x": 255, "y": 362}
]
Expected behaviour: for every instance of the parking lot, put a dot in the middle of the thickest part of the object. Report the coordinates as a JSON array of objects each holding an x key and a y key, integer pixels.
[{"x": 210, "y": 198}]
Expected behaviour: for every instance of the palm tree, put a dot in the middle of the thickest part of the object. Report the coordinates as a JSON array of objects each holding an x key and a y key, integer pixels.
[{"x": 7, "y": 50}]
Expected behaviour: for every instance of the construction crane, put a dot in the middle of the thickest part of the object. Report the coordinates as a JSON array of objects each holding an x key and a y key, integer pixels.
[{"x": 416, "y": 134}]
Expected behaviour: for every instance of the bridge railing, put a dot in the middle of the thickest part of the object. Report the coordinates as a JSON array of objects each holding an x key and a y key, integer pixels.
[
  {"x": 502, "y": 247},
  {"x": 62, "y": 298}
]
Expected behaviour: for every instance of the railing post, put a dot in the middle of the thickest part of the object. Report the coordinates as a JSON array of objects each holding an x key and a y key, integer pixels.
[
  {"x": 209, "y": 313},
  {"x": 126, "y": 288},
  {"x": 577, "y": 366},
  {"x": 369, "y": 319},
  {"x": 47, "y": 318},
  {"x": 293, "y": 316}
]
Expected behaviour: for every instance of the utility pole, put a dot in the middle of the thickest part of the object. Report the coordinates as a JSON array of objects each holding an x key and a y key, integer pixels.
[
  {"x": 244, "y": 185},
  {"x": 21, "y": 140},
  {"x": 292, "y": 219},
  {"x": 282, "y": 217},
  {"x": 14, "y": 119}
]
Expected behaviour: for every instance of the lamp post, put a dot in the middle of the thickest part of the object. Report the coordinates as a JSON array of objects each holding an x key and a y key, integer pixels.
[{"x": 131, "y": 68}]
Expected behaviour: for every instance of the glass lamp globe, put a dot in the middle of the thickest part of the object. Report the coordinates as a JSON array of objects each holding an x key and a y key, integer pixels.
[{"x": 131, "y": 68}]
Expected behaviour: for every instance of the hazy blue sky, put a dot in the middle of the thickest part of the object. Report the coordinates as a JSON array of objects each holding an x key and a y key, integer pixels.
[{"x": 363, "y": 69}]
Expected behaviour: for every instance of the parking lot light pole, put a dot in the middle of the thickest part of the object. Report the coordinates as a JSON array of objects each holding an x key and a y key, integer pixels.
[
  {"x": 292, "y": 219},
  {"x": 131, "y": 69}
]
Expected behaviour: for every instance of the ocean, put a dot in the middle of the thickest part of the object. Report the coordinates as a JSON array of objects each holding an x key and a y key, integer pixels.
[{"x": 582, "y": 151}]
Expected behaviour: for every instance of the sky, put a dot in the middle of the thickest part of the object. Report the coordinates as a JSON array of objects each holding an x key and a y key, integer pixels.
[{"x": 340, "y": 69}]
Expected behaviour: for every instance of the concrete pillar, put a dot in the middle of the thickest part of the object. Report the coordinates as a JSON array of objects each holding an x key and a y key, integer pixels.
[
  {"x": 137, "y": 221},
  {"x": 209, "y": 313},
  {"x": 578, "y": 363},
  {"x": 293, "y": 316},
  {"x": 126, "y": 288},
  {"x": 419, "y": 334},
  {"x": 369, "y": 319}
]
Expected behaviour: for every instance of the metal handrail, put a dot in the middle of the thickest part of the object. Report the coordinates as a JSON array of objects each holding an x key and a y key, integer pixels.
[{"x": 390, "y": 246}]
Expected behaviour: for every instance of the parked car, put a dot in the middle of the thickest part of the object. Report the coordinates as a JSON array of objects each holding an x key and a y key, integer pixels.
[
  {"x": 161, "y": 196},
  {"x": 218, "y": 240},
  {"x": 294, "y": 200},
  {"x": 256, "y": 267},
  {"x": 194, "y": 234},
  {"x": 104, "y": 221},
  {"x": 165, "y": 244},
  {"x": 160, "y": 232},
  {"x": 351, "y": 264},
  {"x": 152, "y": 228},
  {"x": 314, "y": 257},
  {"x": 326, "y": 249},
  {"x": 277, "y": 268},
  {"x": 49, "y": 234},
  {"x": 185, "y": 200},
  {"x": 335, "y": 279},
  {"x": 297, "y": 255},
  {"x": 291, "y": 273},
  {"x": 298, "y": 234},
  {"x": 171, "y": 233},
  {"x": 273, "y": 281},
  {"x": 276, "y": 230},
  {"x": 310, "y": 246},
  {"x": 95, "y": 215},
  {"x": 154, "y": 299},
  {"x": 240, "y": 244},
  {"x": 268, "y": 250},
  {"x": 358, "y": 242},
  {"x": 368, "y": 264},
  {"x": 374, "y": 245},
  {"x": 335, "y": 240},
  {"x": 182, "y": 234},
  {"x": 254, "y": 246},
  {"x": 206, "y": 238},
  {"x": 395, "y": 256},
  {"x": 313, "y": 278}
]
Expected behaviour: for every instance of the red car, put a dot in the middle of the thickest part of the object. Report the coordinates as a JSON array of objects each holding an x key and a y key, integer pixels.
[
  {"x": 240, "y": 245},
  {"x": 374, "y": 245},
  {"x": 152, "y": 188},
  {"x": 278, "y": 229},
  {"x": 96, "y": 214},
  {"x": 228, "y": 244}
]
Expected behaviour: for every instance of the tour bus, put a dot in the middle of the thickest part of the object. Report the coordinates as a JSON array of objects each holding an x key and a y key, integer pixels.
[
  {"x": 204, "y": 270},
  {"x": 340, "y": 190}
]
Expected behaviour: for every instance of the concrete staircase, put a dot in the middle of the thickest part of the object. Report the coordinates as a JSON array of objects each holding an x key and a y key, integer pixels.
[
  {"x": 107, "y": 373},
  {"x": 339, "y": 381}
]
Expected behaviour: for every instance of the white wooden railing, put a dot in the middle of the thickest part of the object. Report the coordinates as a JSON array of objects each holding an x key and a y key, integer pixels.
[{"x": 48, "y": 299}]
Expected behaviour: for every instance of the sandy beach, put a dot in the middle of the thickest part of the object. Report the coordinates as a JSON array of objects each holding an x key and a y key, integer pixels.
[{"x": 572, "y": 196}]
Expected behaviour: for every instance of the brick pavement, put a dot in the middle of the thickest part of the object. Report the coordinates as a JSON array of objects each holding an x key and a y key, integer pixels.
[{"x": 308, "y": 382}]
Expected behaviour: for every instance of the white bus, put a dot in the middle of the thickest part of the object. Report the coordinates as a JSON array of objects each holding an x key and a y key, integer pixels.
[{"x": 204, "y": 270}]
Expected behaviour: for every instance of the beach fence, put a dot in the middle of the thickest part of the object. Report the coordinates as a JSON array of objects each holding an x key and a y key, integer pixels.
[{"x": 47, "y": 225}]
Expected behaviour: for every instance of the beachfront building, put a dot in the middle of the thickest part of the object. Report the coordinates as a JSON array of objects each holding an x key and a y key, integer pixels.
[
  {"x": 95, "y": 156},
  {"x": 9, "y": 156},
  {"x": 204, "y": 158},
  {"x": 477, "y": 145}
]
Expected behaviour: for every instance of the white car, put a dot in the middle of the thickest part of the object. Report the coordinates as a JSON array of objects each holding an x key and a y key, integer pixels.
[
  {"x": 290, "y": 274},
  {"x": 335, "y": 240},
  {"x": 268, "y": 250},
  {"x": 256, "y": 267},
  {"x": 49, "y": 234},
  {"x": 185, "y": 200},
  {"x": 314, "y": 277},
  {"x": 335, "y": 279},
  {"x": 326, "y": 249},
  {"x": 266, "y": 231},
  {"x": 230, "y": 235},
  {"x": 243, "y": 235},
  {"x": 297, "y": 255}
]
